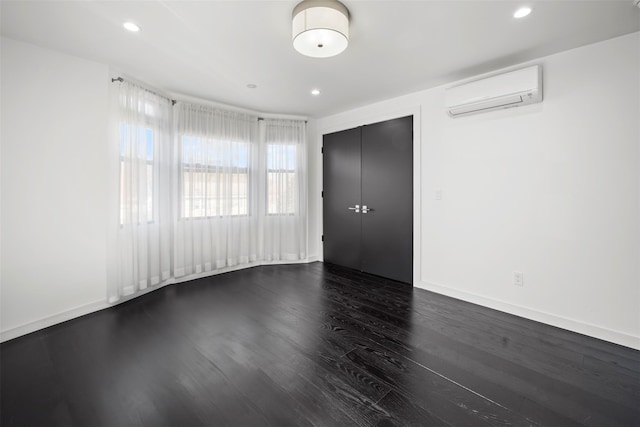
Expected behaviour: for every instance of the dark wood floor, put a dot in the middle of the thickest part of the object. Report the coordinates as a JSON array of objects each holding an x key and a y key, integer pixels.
[{"x": 312, "y": 345}]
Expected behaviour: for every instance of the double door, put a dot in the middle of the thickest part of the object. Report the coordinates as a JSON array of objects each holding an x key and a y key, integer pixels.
[{"x": 368, "y": 198}]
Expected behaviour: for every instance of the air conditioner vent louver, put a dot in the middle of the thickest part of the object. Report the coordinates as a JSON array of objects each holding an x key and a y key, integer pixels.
[{"x": 508, "y": 90}]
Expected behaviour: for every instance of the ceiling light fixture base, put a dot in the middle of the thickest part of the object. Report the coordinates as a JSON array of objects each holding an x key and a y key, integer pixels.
[{"x": 320, "y": 28}]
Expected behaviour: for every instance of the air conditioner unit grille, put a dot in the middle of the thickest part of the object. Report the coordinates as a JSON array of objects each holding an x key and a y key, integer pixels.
[{"x": 486, "y": 105}]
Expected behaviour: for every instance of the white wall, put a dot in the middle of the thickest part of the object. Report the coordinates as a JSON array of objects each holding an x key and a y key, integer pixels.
[
  {"x": 54, "y": 181},
  {"x": 314, "y": 202},
  {"x": 54, "y": 110},
  {"x": 552, "y": 190}
]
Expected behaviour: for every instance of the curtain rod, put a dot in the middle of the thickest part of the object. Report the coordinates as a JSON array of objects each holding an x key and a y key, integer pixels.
[
  {"x": 120, "y": 79},
  {"x": 173, "y": 101},
  {"x": 262, "y": 118}
]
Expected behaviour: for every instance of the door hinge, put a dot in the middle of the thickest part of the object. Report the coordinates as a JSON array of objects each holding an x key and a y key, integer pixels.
[
  {"x": 322, "y": 150},
  {"x": 322, "y": 238},
  {"x": 322, "y": 194}
]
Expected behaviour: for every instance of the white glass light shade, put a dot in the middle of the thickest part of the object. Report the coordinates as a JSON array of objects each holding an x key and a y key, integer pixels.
[{"x": 320, "y": 28}]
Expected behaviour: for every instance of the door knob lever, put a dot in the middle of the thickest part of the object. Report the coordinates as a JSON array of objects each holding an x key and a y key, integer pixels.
[
  {"x": 365, "y": 209},
  {"x": 356, "y": 208}
]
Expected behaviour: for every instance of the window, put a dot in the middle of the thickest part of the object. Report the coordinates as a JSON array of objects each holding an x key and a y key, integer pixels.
[
  {"x": 215, "y": 178},
  {"x": 136, "y": 174},
  {"x": 282, "y": 179}
]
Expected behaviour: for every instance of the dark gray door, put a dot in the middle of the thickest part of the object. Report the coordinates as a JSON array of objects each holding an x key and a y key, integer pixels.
[
  {"x": 370, "y": 166},
  {"x": 341, "y": 191},
  {"x": 387, "y": 192}
]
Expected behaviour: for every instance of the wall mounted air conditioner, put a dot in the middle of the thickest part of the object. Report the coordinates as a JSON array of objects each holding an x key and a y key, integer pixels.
[{"x": 512, "y": 89}]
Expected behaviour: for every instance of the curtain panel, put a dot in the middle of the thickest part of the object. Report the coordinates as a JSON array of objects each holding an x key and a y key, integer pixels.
[
  {"x": 201, "y": 189},
  {"x": 217, "y": 160},
  {"x": 141, "y": 154},
  {"x": 285, "y": 216}
]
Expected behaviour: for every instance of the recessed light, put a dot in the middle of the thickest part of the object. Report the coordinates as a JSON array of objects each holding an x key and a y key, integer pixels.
[
  {"x": 315, "y": 92},
  {"x": 522, "y": 12},
  {"x": 131, "y": 27},
  {"x": 251, "y": 86}
]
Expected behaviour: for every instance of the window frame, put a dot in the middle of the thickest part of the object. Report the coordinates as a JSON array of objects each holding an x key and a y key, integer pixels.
[
  {"x": 295, "y": 172},
  {"x": 211, "y": 169}
]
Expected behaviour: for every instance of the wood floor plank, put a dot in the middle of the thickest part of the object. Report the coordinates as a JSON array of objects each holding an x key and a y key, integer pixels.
[
  {"x": 411, "y": 414},
  {"x": 312, "y": 345},
  {"x": 534, "y": 383},
  {"x": 433, "y": 392},
  {"x": 623, "y": 388}
]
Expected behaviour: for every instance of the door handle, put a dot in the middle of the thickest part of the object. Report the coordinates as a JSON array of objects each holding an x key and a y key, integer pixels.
[
  {"x": 365, "y": 209},
  {"x": 357, "y": 209}
]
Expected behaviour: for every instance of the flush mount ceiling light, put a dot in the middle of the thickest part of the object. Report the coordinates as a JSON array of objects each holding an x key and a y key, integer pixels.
[
  {"x": 134, "y": 28},
  {"x": 320, "y": 28},
  {"x": 522, "y": 12},
  {"x": 315, "y": 92}
]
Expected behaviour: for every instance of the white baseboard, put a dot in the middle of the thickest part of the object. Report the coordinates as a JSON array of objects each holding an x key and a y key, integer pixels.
[
  {"x": 233, "y": 268},
  {"x": 92, "y": 307},
  {"x": 599, "y": 332},
  {"x": 45, "y": 322},
  {"x": 595, "y": 331}
]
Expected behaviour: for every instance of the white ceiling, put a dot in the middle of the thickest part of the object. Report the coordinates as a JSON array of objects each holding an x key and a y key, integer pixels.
[{"x": 214, "y": 49}]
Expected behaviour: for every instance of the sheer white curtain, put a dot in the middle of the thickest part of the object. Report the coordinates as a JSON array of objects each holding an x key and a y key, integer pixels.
[
  {"x": 285, "y": 218},
  {"x": 200, "y": 189},
  {"x": 216, "y": 192},
  {"x": 141, "y": 234}
]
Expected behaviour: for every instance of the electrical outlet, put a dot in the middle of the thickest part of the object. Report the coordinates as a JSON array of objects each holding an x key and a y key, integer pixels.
[{"x": 518, "y": 278}]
